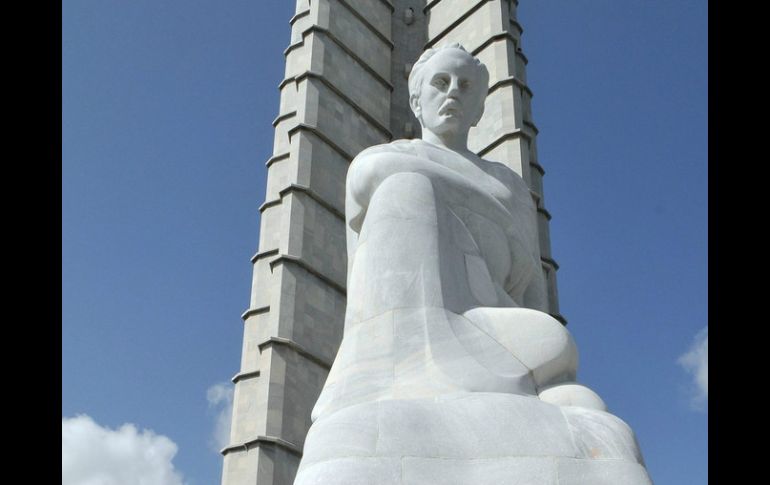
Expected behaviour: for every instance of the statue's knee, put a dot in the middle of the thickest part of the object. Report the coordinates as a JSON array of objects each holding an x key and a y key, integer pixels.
[{"x": 537, "y": 339}]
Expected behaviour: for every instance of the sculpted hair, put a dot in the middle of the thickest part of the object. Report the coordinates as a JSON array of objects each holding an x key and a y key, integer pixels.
[{"x": 416, "y": 75}]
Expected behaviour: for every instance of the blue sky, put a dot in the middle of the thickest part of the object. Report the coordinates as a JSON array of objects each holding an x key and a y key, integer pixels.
[{"x": 166, "y": 112}]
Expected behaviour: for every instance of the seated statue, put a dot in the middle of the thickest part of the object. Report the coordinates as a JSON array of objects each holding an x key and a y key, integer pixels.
[{"x": 450, "y": 371}]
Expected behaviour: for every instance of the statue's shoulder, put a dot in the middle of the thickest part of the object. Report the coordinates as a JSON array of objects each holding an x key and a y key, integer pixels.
[
  {"x": 507, "y": 175},
  {"x": 396, "y": 146},
  {"x": 501, "y": 170}
]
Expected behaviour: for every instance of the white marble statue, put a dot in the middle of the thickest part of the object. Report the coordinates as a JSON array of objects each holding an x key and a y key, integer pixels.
[{"x": 448, "y": 371}]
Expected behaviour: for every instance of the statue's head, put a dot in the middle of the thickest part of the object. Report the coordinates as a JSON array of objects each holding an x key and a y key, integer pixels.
[{"x": 447, "y": 88}]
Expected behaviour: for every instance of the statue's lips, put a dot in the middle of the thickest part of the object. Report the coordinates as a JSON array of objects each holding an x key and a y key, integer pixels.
[{"x": 450, "y": 108}]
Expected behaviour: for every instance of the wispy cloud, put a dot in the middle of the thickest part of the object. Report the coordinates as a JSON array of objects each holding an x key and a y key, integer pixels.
[
  {"x": 696, "y": 362},
  {"x": 220, "y": 398},
  {"x": 92, "y": 454}
]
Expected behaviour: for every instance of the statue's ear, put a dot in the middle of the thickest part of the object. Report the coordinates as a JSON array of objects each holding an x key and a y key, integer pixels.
[
  {"x": 414, "y": 103},
  {"x": 481, "y": 113}
]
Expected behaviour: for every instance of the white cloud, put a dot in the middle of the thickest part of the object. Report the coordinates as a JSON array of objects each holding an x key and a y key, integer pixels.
[
  {"x": 220, "y": 397},
  {"x": 696, "y": 362},
  {"x": 95, "y": 455}
]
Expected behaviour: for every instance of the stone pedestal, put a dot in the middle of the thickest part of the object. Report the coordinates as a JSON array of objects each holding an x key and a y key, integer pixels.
[{"x": 471, "y": 438}]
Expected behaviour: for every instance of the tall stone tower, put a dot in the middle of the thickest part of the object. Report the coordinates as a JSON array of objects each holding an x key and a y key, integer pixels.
[{"x": 345, "y": 89}]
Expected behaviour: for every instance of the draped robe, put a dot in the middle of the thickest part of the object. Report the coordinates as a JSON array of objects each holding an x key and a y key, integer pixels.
[{"x": 446, "y": 345}]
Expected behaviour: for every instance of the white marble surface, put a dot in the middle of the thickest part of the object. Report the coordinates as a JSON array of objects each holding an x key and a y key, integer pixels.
[
  {"x": 469, "y": 438},
  {"x": 449, "y": 371}
]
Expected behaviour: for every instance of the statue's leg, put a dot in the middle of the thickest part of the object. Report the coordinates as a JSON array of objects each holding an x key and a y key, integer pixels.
[
  {"x": 538, "y": 340},
  {"x": 393, "y": 270},
  {"x": 545, "y": 347},
  {"x": 403, "y": 336},
  {"x": 409, "y": 253},
  {"x": 396, "y": 263}
]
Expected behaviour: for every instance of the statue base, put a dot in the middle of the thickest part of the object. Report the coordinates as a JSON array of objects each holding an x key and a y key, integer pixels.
[{"x": 470, "y": 438}]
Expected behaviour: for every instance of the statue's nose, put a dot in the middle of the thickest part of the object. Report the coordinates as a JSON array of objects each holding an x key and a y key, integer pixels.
[{"x": 454, "y": 89}]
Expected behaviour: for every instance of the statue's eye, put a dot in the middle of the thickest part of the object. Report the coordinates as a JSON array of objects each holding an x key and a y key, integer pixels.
[
  {"x": 464, "y": 84},
  {"x": 440, "y": 82}
]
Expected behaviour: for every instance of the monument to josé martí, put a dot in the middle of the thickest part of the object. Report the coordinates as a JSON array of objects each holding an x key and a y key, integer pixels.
[{"x": 404, "y": 326}]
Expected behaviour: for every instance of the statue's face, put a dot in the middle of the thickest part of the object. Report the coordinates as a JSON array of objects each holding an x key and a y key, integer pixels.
[{"x": 451, "y": 97}]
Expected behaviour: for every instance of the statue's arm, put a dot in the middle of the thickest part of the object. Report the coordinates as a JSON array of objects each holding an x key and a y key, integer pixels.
[
  {"x": 366, "y": 172},
  {"x": 534, "y": 294},
  {"x": 372, "y": 167}
]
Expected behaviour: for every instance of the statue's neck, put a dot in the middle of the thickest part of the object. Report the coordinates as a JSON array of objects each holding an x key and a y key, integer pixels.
[{"x": 454, "y": 142}]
